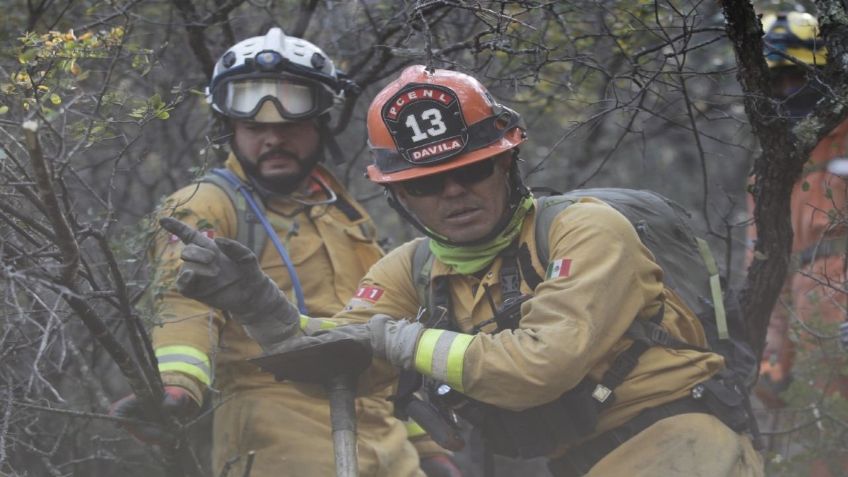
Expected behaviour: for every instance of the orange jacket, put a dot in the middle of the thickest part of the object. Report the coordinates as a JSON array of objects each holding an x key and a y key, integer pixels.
[{"x": 817, "y": 195}]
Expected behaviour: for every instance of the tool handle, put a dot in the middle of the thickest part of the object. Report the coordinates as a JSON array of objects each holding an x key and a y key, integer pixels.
[{"x": 342, "y": 390}]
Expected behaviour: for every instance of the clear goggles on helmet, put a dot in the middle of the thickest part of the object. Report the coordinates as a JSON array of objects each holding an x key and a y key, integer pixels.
[{"x": 293, "y": 98}]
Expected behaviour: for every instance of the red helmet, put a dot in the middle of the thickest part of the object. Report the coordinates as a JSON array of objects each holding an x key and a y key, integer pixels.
[{"x": 427, "y": 122}]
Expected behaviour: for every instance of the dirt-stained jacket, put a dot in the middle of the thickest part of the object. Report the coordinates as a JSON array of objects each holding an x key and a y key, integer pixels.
[{"x": 572, "y": 327}]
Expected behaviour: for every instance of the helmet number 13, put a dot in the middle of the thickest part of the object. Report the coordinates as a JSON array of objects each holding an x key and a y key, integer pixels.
[{"x": 437, "y": 126}]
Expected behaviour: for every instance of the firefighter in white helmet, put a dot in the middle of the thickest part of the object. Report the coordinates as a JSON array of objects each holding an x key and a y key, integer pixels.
[{"x": 273, "y": 93}]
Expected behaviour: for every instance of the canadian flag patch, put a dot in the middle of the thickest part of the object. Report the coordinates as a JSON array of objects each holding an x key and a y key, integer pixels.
[{"x": 559, "y": 268}]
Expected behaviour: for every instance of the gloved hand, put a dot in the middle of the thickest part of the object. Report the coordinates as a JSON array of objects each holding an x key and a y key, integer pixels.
[
  {"x": 225, "y": 274},
  {"x": 389, "y": 339},
  {"x": 843, "y": 335},
  {"x": 176, "y": 401},
  {"x": 440, "y": 465}
]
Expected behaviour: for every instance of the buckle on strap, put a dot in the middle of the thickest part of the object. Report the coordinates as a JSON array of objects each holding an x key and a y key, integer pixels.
[{"x": 601, "y": 393}]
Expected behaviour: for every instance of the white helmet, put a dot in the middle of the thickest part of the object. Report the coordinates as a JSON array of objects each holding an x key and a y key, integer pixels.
[{"x": 274, "y": 78}]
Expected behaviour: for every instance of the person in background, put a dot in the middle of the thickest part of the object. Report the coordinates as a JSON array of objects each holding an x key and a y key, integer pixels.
[{"x": 813, "y": 293}]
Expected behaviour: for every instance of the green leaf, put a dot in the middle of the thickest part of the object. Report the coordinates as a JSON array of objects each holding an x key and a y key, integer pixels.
[
  {"x": 156, "y": 101},
  {"x": 138, "y": 113},
  {"x": 4, "y": 109},
  {"x": 55, "y": 99}
]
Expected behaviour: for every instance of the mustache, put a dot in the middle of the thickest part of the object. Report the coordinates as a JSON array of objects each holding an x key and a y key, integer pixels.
[{"x": 279, "y": 151}]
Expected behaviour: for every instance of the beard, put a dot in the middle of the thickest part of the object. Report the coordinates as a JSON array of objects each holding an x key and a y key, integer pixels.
[{"x": 279, "y": 184}]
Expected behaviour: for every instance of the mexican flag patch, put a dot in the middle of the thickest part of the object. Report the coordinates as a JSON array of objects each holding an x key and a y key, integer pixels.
[{"x": 559, "y": 268}]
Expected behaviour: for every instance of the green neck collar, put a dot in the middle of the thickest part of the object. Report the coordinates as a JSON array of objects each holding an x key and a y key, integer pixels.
[{"x": 471, "y": 259}]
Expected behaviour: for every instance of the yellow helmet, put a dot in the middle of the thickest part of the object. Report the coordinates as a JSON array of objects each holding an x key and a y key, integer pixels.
[{"x": 795, "y": 34}]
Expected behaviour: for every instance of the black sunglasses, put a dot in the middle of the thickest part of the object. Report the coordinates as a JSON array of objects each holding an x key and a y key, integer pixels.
[{"x": 435, "y": 184}]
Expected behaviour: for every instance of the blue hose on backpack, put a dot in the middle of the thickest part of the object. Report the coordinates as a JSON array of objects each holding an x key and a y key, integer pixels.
[{"x": 243, "y": 189}]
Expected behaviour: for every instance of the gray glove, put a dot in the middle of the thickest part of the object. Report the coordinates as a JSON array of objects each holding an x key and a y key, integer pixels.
[
  {"x": 225, "y": 274},
  {"x": 389, "y": 339}
]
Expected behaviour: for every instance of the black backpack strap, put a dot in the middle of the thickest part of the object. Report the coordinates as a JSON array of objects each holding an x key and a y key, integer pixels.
[
  {"x": 441, "y": 313},
  {"x": 422, "y": 265},
  {"x": 528, "y": 272},
  {"x": 409, "y": 382},
  {"x": 624, "y": 363},
  {"x": 510, "y": 279}
]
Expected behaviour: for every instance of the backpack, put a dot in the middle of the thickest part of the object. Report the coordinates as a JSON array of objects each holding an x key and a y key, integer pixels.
[{"x": 688, "y": 265}]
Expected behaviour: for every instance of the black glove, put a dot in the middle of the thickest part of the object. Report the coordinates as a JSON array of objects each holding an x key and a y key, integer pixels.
[
  {"x": 225, "y": 274},
  {"x": 176, "y": 401}
]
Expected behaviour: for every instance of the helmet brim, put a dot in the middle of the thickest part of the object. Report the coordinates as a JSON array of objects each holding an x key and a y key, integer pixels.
[{"x": 509, "y": 141}]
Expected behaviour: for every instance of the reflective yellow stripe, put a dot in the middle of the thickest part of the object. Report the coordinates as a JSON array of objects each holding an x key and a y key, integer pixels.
[
  {"x": 310, "y": 325},
  {"x": 424, "y": 352},
  {"x": 456, "y": 359},
  {"x": 187, "y": 360},
  {"x": 188, "y": 369},
  {"x": 182, "y": 349},
  {"x": 413, "y": 429},
  {"x": 440, "y": 354}
]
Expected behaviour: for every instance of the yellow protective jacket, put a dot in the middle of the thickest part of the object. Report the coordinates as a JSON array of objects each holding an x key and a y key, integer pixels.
[
  {"x": 198, "y": 348},
  {"x": 572, "y": 327}
]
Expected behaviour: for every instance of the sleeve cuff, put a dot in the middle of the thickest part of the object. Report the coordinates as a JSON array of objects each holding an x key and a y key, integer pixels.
[{"x": 194, "y": 387}]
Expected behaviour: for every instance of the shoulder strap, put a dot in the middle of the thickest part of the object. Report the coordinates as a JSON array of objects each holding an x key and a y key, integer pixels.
[
  {"x": 422, "y": 265},
  {"x": 249, "y": 230},
  {"x": 547, "y": 208}
]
